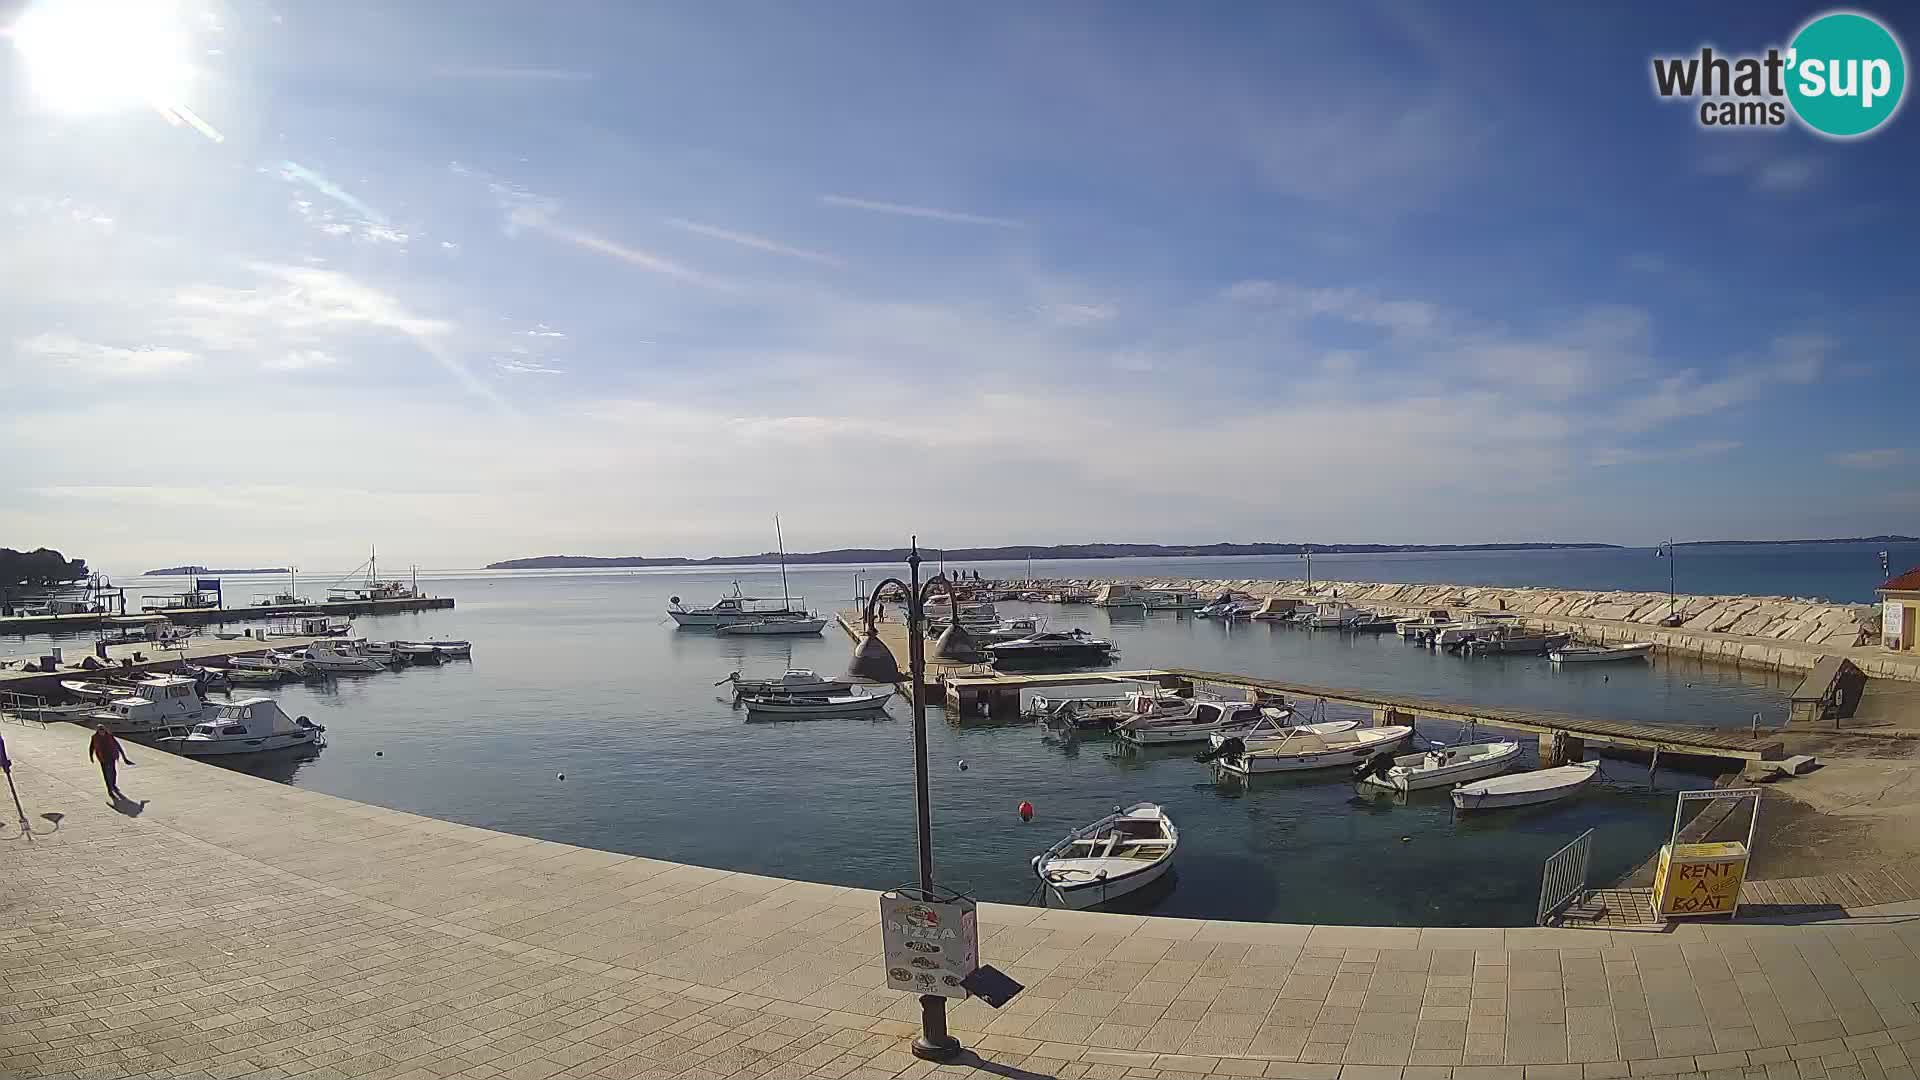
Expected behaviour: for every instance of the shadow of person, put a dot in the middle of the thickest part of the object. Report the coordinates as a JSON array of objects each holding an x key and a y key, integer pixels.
[
  {"x": 127, "y": 806},
  {"x": 969, "y": 1059}
]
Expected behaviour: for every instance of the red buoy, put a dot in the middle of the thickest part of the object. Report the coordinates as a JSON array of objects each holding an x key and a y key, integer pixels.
[{"x": 1026, "y": 810}]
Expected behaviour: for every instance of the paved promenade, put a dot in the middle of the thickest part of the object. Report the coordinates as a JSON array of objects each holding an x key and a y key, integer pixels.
[{"x": 225, "y": 926}]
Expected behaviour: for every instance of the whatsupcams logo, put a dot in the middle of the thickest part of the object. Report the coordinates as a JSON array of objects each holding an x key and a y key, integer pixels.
[{"x": 1843, "y": 75}]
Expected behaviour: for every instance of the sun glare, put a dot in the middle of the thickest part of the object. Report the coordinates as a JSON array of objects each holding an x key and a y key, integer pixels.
[{"x": 94, "y": 56}]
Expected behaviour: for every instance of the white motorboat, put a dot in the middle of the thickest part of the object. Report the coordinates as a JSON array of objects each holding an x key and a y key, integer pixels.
[
  {"x": 1120, "y": 596},
  {"x": 1307, "y": 750},
  {"x": 153, "y": 705},
  {"x": 1514, "y": 641},
  {"x": 387, "y": 652},
  {"x": 1195, "y": 722},
  {"x": 1481, "y": 624},
  {"x": 1121, "y": 853},
  {"x": 792, "y": 681},
  {"x": 810, "y": 705},
  {"x": 1274, "y": 609},
  {"x": 1600, "y": 654},
  {"x": 1527, "y": 788},
  {"x": 95, "y": 691},
  {"x": 1274, "y": 728},
  {"x": 249, "y": 726},
  {"x": 1010, "y": 630},
  {"x": 1051, "y": 647},
  {"x": 1420, "y": 626},
  {"x": 810, "y": 624},
  {"x": 283, "y": 663},
  {"x": 1444, "y": 765},
  {"x": 737, "y": 607},
  {"x": 342, "y": 655},
  {"x": 1332, "y": 616},
  {"x": 429, "y": 651},
  {"x": 1368, "y": 622},
  {"x": 1172, "y": 600}
]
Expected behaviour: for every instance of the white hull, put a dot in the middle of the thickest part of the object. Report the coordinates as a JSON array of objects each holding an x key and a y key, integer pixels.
[
  {"x": 799, "y": 705},
  {"x": 1526, "y": 789},
  {"x": 1267, "y": 738},
  {"x": 1198, "y": 723},
  {"x": 1638, "y": 651},
  {"x": 773, "y": 626},
  {"x": 1113, "y": 889},
  {"x": 798, "y": 681},
  {"x": 1349, "y": 749},
  {"x": 189, "y": 747},
  {"x": 1419, "y": 772},
  {"x": 355, "y": 664}
]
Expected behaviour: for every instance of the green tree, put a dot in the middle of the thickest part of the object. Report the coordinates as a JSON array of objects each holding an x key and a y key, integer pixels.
[{"x": 39, "y": 567}]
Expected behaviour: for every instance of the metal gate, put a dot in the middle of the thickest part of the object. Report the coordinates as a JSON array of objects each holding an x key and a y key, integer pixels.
[{"x": 1564, "y": 879}]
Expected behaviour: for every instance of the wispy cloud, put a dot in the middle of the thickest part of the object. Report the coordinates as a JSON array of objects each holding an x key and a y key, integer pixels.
[
  {"x": 758, "y": 243},
  {"x": 931, "y": 214},
  {"x": 540, "y": 220},
  {"x": 512, "y": 74},
  {"x": 1795, "y": 361},
  {"x": 1611, "y": 456},
  {"x": 1885, "y": 458},
  {"x": 94, "y": 358},
  {"x": 301, "y": 360},
  {"x": 295, "y": 172},
  {"x": 522, "y": 366}
]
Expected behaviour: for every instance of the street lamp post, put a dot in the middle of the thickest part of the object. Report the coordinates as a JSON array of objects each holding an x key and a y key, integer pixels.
[{"x": 872, "y": 660}]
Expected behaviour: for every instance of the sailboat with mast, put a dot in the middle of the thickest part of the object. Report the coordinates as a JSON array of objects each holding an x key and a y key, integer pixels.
[{"x": 737, "y": 614}]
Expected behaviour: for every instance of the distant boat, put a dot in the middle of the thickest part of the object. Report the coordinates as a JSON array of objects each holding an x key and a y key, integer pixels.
[
  {"x": 1527, "y": 788},
  {"x": 1515, "y": 641},
  {"x": 1332, "y": 616},
  {"x": 1599, "y": 654},
  {"x": 1121, "y": 853}
]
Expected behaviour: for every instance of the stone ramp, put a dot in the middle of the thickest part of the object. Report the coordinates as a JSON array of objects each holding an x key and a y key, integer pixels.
[{"x": 222, "y": 925}]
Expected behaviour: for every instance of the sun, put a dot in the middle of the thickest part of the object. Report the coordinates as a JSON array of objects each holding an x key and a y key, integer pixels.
[{"x": 95, "y": 56}]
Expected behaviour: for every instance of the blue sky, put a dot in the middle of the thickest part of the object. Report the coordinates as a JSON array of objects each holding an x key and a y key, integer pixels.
[{"x": 471, "y": 282}]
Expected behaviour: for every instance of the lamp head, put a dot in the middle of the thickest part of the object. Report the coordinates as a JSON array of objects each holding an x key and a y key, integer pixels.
[
  {"x": 873, "y": 661},
  {"x": 957, "y": 645}
]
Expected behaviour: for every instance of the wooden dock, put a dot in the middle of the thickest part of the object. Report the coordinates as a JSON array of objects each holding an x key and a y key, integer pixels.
[{"x": 66, "y": 624}]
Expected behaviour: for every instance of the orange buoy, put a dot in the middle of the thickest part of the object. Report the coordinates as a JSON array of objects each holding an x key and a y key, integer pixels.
[{"x": 1026, "y": 810}]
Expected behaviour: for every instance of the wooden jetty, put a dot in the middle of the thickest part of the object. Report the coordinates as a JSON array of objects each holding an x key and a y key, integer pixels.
[{"x": 65, "y": 624}]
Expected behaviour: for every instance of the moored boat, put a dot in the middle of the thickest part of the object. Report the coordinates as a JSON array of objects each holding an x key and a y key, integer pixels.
[
  {"x": 250, "y": 726},
  {"x": 345, "y": 655},
  {"x": 812, "y": 705},
  {"x": 1275, "y": 727},
  {"x": 792, "y": 681},
  {"x": 1514, "y": 641},
  {"x": 1442, "y": 766},
  {"x": 1527, "y": 788},
  {"x": 1196, "y": 722},
  {"x": 736, "y": 607},
  {"x": 1306, "y": 750},
  {"x": 1601, "y": 654},
  {"x": 1051, "y": 647},
  {"x": 153, "y": 705},
  {"x": 1119, "y": 854},
  {"x": 783, "y": 625}
]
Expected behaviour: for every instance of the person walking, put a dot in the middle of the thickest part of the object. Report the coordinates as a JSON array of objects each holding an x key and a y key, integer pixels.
[{"x": 106, "y": 750}]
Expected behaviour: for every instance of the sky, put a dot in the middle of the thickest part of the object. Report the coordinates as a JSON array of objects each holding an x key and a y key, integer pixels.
[{"x": 471, "y": 281}]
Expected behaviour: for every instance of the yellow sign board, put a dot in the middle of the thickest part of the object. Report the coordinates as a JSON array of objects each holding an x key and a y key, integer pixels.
[{"x": 1700, "y": 879}]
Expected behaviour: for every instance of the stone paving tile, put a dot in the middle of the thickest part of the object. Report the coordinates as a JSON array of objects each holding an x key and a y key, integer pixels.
[{"x": 356, "y": 941}]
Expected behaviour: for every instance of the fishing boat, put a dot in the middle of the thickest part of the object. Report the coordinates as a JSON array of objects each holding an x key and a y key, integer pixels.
[
  {"x": 1601, "y": 654},
  {"x": 735, "y": 607},
  {"x": 1010, "y": 630},
  {"x": 1171, "y": 600},
  {"x": 1275, "y": 727},
  {"x": 1307, "y": 750},
  {"x": 1514, "y": 641},
  {"x": 1440, "y": 767},
  {"x": 1120, "y": 596},
  {"x": 1101, "y": 713},
  {"x": 283, "y": 663},
  {"x": 1527, "y": 788},
  {"x": 1331, "y": 616},
  {"x": 1121, "y": 853},
  {"x": 1368, "y": 622},
  {"x": 249, "y": 726},
  {"x": 792, "y": 681},
  {"x": 243, "y": 676},
  {"x": 1418, "y": 626},
  {"x": 1194, "y": 722},
  {"x": 151, "y": 705},
  {"x": 95, "y": 691},
  {"x": 810, "y": 624},
  {"x": 1274, "y": 609},
  {"x": 1052, "y": 647},
  {"x": 344, "y": 655},
  {"x": 810, "y": 705}
]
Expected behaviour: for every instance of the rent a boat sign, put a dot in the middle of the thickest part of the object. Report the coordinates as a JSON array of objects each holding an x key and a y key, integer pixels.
[{"x": 930, "y": 947}]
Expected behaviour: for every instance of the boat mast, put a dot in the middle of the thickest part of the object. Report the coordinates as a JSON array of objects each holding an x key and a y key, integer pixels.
[{"x": 785, "y": 603}]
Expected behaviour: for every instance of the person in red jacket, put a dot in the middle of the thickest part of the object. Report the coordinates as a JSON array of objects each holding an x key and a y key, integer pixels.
[{"x": 106, "y": 750}]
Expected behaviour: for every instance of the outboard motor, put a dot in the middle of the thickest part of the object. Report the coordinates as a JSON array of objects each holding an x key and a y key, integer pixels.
[
  {"x": 1377, "y": 765},
  {"x": 1230, "y": 747}
]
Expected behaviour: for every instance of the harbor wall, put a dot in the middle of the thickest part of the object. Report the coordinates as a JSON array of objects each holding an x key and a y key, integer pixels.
[
  {"x": 60, "y": 624},
  {"x": 1770, "y": 632}
]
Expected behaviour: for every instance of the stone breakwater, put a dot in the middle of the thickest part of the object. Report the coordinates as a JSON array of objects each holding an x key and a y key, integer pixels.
[{"x": 1774, "y": 632}]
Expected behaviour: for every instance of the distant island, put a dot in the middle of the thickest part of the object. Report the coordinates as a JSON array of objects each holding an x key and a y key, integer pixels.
[
  {"x": 179, "y": 571},
  {"x": 1838, "y": 540},
  {"x": 1013, "y": 552}
]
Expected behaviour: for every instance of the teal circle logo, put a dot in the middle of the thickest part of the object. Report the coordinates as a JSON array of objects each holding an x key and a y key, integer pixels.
[{"x": 1846, "y": 74}]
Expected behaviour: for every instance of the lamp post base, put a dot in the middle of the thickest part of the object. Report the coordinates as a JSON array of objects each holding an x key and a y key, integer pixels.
[{"x": 934, "y": 1044}]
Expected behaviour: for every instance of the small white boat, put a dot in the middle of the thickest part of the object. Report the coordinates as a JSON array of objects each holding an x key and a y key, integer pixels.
[
  {"x": 1195, "y": 722},
  {"x": 816, "y": 704},
  {"x": 792, "y": 681},
  {"x": 1121, "y": 853},
  {"x": 1445, "y": 765},
  {"x": 1599, "y": 654},
  {"x": 1306, "y": 750},
  {"x": 96, "y": 691},
  {"x": 152, "y": 705},
  {"x": 1332, "y": 616},
  {"x": 736, "y": 607},
  {"x": 249, "y": 726},
  {"x": 342, "y": 655},
  {"x": 1527, "y": 788},
  {"x": 1010, "y": 630},
  {"x": 283, "y": 663},
  {"x": 810, "y": 624},
  {"x": 1273, "y": 728}
]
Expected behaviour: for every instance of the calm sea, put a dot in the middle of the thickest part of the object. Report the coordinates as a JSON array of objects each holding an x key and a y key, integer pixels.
[{"x": 580, "y": 674}]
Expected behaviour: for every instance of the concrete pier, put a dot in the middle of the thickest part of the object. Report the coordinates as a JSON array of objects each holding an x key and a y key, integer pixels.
[
  {"x": 223, "y": 925},
  {"x": 120, "y": 661},
  {"x": 65, "y": 624}
]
